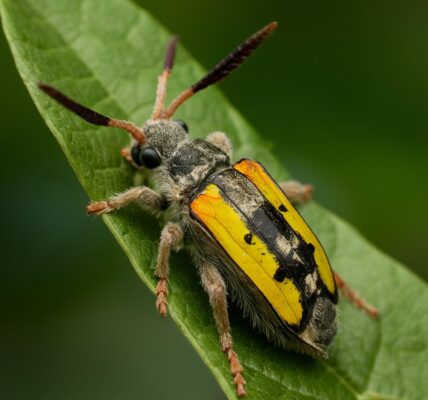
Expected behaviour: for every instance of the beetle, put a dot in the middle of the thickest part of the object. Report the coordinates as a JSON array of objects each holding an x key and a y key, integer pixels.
[{"x": 246, "y": 237}]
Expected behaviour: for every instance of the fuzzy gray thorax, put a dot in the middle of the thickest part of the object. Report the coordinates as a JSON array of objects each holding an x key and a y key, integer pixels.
[{"x": 194, "y": 161}]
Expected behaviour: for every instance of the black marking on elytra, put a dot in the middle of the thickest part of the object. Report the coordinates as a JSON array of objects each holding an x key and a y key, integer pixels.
[
  {"x": 295, "y": 265},
  {"x": 248, "y": 237},
  {"x": 280, "y": 274},
  {"x": 282, "y": 208},
  {"x": 283, "y": 270},
  {"x": 307, "y": 249},
  {"x": 304, "y": 251}
]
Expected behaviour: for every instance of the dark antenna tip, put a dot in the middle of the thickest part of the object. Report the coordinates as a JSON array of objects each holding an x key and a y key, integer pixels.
[
  {"x": 48, "y": 89},
  {"x": 236, "y": 58},
  {"x": 170, "y": 53},
  {"x": 92, "y": 116},
  {"x": 224, "y": 68},
  {"x": 87, "y": 114}
]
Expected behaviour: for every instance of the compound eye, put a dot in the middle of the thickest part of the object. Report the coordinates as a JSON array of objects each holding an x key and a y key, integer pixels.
[
  {"x": 182, "y": 124},
  {"x": 135, "y": 154},
  {"x": 149, "y": 157}
]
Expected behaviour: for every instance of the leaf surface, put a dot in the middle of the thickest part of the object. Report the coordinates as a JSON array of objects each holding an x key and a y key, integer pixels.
[{"x": 107, "y": 54}]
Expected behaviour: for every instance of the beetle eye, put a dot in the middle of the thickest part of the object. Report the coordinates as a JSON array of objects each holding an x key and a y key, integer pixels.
[
  {"x": 149, "y": 157},
  {"x": 135, "y": 154},
  {"x": 182, "y": 124}
]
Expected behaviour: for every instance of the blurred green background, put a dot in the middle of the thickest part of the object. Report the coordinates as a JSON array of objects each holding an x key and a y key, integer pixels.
[{"x": 340, "y": 92}]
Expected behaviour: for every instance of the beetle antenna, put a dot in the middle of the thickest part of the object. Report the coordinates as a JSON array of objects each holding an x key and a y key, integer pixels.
[
  {"x": 163, "y": 78},
  {"x": 224, "y": 68},
  {"x": 92, "y": 116}
]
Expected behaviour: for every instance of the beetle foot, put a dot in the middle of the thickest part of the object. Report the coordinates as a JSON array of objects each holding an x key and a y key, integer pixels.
[
  {"x": 161, "y": 297},
  {"x": 98, "y": 208},
  {"x": 297, "y": 192},
  {"x": 236, "y": 369}
]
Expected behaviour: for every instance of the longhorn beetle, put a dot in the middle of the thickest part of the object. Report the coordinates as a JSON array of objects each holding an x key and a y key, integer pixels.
[{"x": 247, "y": 239}]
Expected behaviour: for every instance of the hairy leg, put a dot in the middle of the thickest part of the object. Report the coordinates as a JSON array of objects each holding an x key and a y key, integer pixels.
[
  {"x": 171, "y": 238},
  {"x": 297, "y": 192},
  {"x": 214, "y": 285},
  {"x": 354, "y": 297},
  {"x": 144, "y": 196},
  {"x": 221, "y": 140}
]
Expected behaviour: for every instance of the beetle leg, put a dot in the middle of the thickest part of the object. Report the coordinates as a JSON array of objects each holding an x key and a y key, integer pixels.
[
  {"x": 144, "y": 196},
  {"x": 221, "y": 140},
  {"x": 171, "y": 238},
  {"x": 297, "y": 192},
  {"x": 214, "y": 285},
  {"x": 354, "y": 297}
]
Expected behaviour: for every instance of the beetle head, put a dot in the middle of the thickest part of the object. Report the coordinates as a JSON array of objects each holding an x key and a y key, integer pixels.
[{"x": 162, "y": 137}]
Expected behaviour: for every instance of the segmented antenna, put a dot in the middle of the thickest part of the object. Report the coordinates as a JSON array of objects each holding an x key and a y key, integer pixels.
[
  {"x": 163, "y": 78},
  {"x": 224, "y": 68},
  {"x": 92, "y": 116}
]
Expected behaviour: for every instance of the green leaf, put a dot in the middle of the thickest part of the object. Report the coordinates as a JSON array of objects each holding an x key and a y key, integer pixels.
[{"x": 107, "y": 54}]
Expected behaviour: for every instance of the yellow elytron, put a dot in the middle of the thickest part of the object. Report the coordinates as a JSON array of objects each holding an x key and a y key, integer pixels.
[
  {"x": 254, "y": 258},
  {"x": 267, "y": 186},
  {"x": 267, "y": 239}
]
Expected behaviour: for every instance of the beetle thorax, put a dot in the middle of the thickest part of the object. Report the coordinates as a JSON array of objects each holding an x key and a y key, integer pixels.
[{"x": 193, "y": 161}]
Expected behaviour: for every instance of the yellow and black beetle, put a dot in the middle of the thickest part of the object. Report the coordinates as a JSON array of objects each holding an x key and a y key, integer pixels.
[{"x": 245, "y": 235}]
